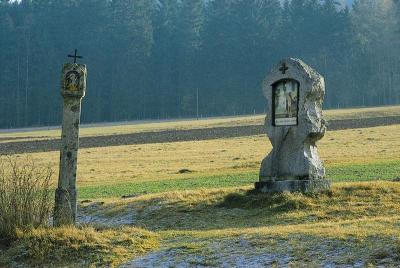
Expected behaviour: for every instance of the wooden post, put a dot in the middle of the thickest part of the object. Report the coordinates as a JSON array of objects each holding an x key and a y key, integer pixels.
[{"x": 73, "y": 88}]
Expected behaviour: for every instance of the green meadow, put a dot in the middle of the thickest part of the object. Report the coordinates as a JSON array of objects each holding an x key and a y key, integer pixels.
[{"x": 389, "y": 170}]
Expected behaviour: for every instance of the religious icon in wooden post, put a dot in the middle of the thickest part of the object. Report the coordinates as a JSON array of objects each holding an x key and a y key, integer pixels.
[
  {"x": 73, "y": 88},
  {"x": 294, "y": 122},
  {"x": 72, "y": 81}
]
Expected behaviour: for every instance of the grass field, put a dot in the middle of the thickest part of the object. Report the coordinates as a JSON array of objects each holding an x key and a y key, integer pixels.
[
  {"x": 357, "y": 154},
  {"x": 389, "y": 170},
  {"x": 196, "y": 198}
]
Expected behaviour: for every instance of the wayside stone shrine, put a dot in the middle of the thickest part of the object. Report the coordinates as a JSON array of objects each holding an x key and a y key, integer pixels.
[{"x": 294, "y": 122}]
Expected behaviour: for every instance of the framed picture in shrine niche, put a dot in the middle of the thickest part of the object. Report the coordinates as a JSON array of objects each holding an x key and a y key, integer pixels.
[
  {"x": 72, "y": 81},
  {"x": 285, "y": 102}
]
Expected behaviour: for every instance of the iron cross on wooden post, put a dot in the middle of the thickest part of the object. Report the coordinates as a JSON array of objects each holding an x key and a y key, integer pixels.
[
  {"x": 284, "y": 68},
  {"x": 75, "y": 56}
]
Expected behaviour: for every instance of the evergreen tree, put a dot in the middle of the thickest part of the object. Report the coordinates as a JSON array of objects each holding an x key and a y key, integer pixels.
[{"x": 148, "y": 58}]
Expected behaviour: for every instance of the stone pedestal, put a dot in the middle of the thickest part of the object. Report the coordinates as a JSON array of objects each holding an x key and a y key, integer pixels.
[
  {"x": 73, "y": 88},
  {"x": 304, "y": 186},
  {"x": 294, "y": 123}
]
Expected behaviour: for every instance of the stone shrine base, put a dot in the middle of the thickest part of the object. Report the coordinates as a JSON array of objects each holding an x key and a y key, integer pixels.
[{"x": 304, "y": 186}]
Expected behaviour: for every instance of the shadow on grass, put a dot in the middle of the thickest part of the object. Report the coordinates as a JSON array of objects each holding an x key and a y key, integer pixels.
[
  {"x": 240, "y": 208},
  {"x": 278, "y": 202},
  {"x": 220, "y": 210}
]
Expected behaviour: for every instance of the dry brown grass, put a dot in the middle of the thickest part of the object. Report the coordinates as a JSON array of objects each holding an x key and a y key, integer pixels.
[
  {"x": 25, "y": 200},
  {"x": 78, "y": 247},
  {"x": 137, "y": 163}
]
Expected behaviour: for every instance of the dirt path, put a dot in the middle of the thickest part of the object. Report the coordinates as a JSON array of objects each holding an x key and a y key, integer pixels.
[{"x": 179, "y": 135}]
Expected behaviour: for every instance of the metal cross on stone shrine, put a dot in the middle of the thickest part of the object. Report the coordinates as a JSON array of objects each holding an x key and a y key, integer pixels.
[
  {"x": 284, "y": 68},
  {"x": 75, "y": 56}
]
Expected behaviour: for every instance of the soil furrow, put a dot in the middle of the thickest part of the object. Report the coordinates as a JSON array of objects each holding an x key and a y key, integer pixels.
[{"x": 180, "y": 135}]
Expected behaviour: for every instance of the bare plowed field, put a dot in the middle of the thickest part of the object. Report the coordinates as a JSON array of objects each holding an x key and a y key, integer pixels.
[{"x": 179, "y": 135}]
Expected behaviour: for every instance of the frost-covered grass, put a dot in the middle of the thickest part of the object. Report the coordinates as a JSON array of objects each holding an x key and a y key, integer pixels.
[
  {"x": 355, "y": 223},
  {"x": 211, "y": 210}
]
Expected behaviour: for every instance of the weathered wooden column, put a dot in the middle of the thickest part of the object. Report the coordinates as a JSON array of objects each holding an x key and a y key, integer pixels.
[{"x": 73, "y": 87}]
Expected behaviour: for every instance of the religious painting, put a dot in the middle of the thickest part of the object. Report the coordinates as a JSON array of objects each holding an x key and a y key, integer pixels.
[
  {"x": 72, "y": 80},
  {"x": 285, "y": 102}
]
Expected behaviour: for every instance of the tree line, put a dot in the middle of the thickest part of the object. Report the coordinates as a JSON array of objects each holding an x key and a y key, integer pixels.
[{"x": 147, "y": 59}]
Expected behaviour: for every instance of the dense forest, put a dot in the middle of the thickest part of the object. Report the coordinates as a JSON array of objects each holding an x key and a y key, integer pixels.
[{"x": 149, "y": 58}]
